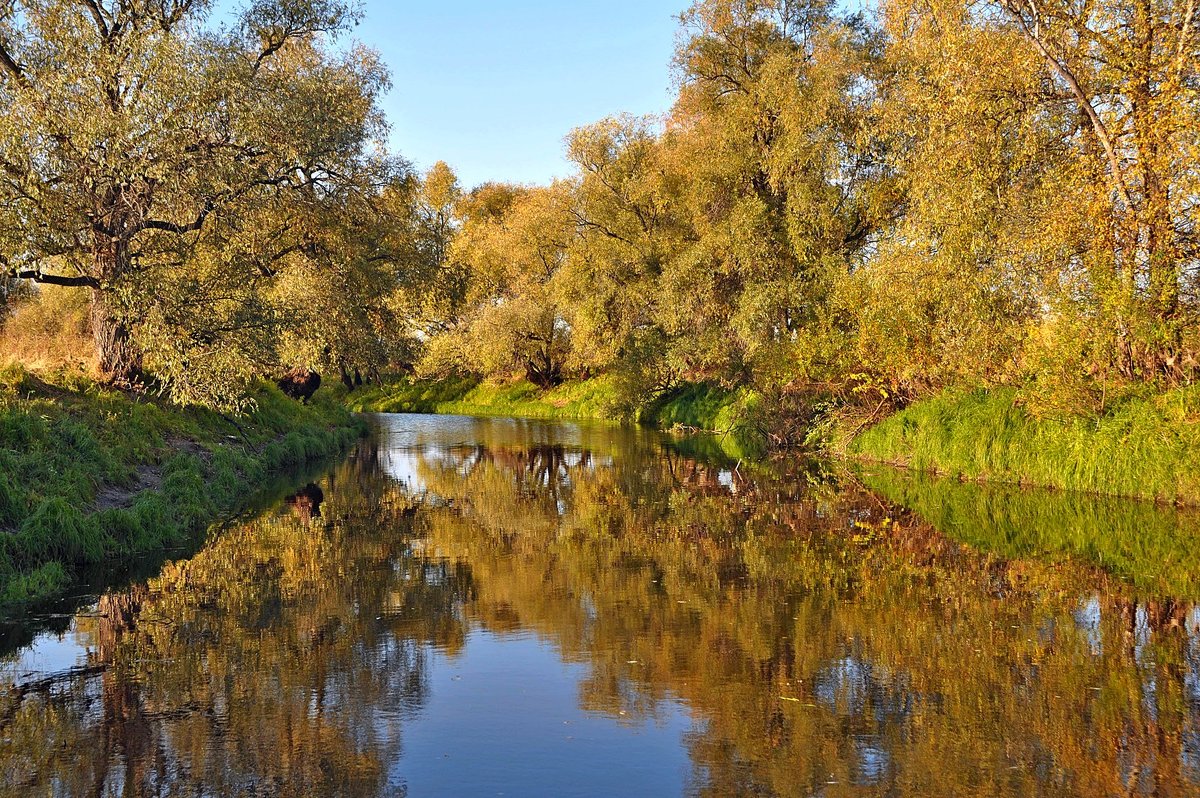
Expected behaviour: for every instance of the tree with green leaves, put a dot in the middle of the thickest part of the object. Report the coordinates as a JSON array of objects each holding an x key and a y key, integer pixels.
[
  {"x": 154, "y": 160},
  {"x": 512, "y": 321}
]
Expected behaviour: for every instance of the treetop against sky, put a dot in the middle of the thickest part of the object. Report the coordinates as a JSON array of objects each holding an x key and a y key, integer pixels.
[{"x": 493, "y": 88}]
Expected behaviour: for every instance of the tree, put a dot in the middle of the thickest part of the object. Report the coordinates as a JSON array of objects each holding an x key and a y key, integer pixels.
[
  {"x": 627, "y": 227},
  {"x": 784, "y": 183},
  {"x": 336, "y": 292},
  {"x": 513, "y": 245},
  {"x": 137, "y": 141},
  {"x": 433, "y": 284},
  {"x": 1130, "y": 73}
]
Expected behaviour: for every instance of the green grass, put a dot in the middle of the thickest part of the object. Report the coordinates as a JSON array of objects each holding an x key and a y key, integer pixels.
[
  {"x": 731, "y": 414},
  {"x": 1147, "y": 447},
  {"x": 1154, "y": 547},
  {"x": 707, "y": 407},
  {"x": 168, "y": 471},
  {"x": 596, "y": 399},
  {"x": 403, "y": 395}
]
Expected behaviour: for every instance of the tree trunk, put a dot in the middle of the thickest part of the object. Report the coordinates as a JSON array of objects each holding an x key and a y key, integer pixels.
[
  {"x": 546, "y": 374},
  {"x": 117, "y": 357}
]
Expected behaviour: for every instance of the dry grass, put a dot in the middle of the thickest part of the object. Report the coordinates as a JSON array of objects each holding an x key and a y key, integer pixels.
[{"x": 50, "y": 332}]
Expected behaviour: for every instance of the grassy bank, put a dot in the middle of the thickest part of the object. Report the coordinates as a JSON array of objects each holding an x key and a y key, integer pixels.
[
  {"x": 595, "y": 399},
  {"x": 696, "y": 406},
  {"x": 731, "y": 414},
  {"x": 1146, "y": 447},
  {"x": 89, "y": 475}
]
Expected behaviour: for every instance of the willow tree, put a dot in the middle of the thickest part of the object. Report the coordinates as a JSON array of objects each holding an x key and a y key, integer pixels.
[
  {"x": 783, "y": 184},
  {"x": 428, "y": 215},
  {"x": 1130, "y": 74},
  {"x": 513, "y": 245},
  {"x": 626, "y": 229},
  {"x": 138, "y": 136}
]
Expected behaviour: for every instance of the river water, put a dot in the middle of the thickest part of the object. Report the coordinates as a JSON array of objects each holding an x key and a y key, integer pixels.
[{"x": 498, "y": 607}]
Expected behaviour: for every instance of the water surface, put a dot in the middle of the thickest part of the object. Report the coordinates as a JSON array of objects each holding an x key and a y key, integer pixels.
[{"x": 498, "y": 607}]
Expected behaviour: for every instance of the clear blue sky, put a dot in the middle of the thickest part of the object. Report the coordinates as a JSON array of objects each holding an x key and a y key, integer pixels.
[{"x": 492, "y": 88}]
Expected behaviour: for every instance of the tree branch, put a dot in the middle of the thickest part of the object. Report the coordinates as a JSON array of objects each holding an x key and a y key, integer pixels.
[
  {"x": 98, "y": 16},
  {"x": 180, "y": 229},
  {"x": 10, "y": 66},
  {"x": 38, "y": 276},
  {"x": 82, "y": 281},
  {"x": 1081, "y": 96},
  {"x": 582, "y": 221},
  {"x": 1184, "y": 33}
]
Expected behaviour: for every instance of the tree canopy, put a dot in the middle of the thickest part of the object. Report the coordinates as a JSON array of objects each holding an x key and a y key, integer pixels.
[
  {"x": 185, "y": 173},
  {"x": 839, "y": 205},
  {"x": 880, "y": 204}
]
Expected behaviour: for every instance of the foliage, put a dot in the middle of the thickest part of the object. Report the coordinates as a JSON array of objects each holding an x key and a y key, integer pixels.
[
  {"x": 189, "y": 179},
  {"x": 840, "y": 213},
  {"x": 862, "y": 212}
]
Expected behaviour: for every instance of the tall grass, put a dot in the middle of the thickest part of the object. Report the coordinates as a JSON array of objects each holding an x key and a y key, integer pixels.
[
  {"x": 50, "y": 331},
  {"x": 1146, "y": 447}
]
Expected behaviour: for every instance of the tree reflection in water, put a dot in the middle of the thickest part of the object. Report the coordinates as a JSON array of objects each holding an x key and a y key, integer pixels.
[{"x": 826, "y": 641}]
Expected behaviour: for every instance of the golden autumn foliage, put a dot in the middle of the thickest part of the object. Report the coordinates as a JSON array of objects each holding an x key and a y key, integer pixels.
[{"x": 862, "y": 205}]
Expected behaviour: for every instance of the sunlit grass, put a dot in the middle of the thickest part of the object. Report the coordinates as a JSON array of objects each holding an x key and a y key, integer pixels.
[
  {"x": 65, "y": 439},
  {"x": 595, "y": 399},
  {"x": 1146, "y": 447}
]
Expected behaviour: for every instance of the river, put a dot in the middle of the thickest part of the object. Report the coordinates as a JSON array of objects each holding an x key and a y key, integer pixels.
[{"x": 499, "y": 607}]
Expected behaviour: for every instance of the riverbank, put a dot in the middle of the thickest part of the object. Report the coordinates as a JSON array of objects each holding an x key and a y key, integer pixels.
[
  {"x": 1146, "y": 447},
  {"x": 694, "y": 407},
  {"x": 89, "y": 475}
]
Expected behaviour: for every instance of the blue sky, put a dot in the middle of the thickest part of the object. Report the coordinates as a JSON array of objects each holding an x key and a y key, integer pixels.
[{"x": 492, "y": 88}]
